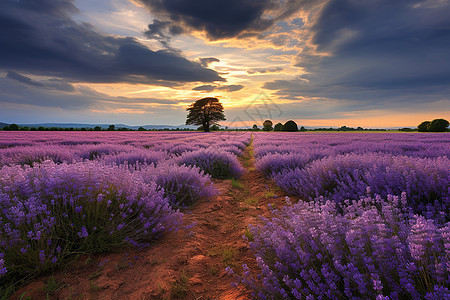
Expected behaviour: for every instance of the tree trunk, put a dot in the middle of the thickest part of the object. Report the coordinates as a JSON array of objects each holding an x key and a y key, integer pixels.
[{"x": 206, "y": 126}]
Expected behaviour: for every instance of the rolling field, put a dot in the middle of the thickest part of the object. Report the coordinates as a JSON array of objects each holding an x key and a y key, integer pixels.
[{"x": 344, "y": 215}]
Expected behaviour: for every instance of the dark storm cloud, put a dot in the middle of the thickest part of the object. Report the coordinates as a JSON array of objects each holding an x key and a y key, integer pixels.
[
  {"x": 206, "y": 61},
  {"x": 17, "y": 92},
  {"x": 224, "y": 18},
  {"x": 231, "y": 87},
  {"x": 228, "y": 88},
  {"x": 205, "y": 88},
  {"x": 264, "y": 70},
  {"x": 53, "y": 83},
  {"x": 162, "y": 32},
  {"x": 26, "y": 80},
  {"x": 39, "y": 37},
  {"x": 379, "y": 51}
]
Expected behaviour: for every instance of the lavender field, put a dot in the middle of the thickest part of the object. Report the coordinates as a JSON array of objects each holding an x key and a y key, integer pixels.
[
  {"x": 63, "y": 194},
  {"x": 372, "y": 221}
]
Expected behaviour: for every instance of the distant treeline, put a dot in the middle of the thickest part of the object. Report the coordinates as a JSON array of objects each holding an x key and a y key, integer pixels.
[
  {"x": 266, "y": 126},
  {"x": 15, "y": 127}
]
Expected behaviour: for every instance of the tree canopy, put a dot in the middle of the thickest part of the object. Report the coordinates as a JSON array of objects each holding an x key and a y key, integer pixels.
[
  {"x": 267, "y": 125},
  {"x": 278, "y": 127},
  {"x": 437, "y": 125},
  {"x": 290, "y": 126},
  {"x": 205, "y": 112}
]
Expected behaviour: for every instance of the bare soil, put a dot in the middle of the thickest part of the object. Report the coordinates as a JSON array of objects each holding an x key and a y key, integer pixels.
[{"x": 188, "y": 264}]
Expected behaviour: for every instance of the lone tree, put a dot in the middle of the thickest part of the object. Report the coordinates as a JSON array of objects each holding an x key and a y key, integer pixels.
[
  {"x": 267, "y": 125},
  {"x": 205, "y": 112}
]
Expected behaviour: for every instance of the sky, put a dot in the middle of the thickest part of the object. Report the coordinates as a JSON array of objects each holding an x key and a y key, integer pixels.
[{"x": 368, "y": 63}]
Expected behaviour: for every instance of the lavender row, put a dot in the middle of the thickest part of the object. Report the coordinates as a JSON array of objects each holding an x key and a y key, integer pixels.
[
  {"x": 59, "y": 197},
  {"x": 314, "y": 166},
  {"x": 372, "y": 248},
  {"x": 326, "y": 144},
  {"x": 139, "y": 150},
  {"x": 10, "y": 139},
  {"x": 51, "y": 211}
]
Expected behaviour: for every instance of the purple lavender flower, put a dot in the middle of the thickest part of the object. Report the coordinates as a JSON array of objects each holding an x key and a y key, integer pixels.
[
  {"x": 364, "y": 248},
  {"x": 215, "y": 162},
  {"x": 83, "y": 233}
]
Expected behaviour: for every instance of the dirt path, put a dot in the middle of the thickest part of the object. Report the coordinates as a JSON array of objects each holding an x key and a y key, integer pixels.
[{"x": 188, "y": 264}]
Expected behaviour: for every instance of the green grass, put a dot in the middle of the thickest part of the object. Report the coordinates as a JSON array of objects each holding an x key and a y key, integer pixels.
[
  {"x": 52, "y": 285},
  {"x": 248, "y": 235},
  {"x": 228, "y": 254},
  {"x": 213, "y": 270},
  {"x": 179, "y": 288},
  {"x": 269, "y": 194},
  {"x": 251, "y": 201},
  {"x": 237, "y": 184}
]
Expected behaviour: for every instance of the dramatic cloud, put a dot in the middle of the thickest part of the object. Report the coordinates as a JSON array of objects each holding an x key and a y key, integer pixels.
[
  {"x": 378, "y": 52},
  {"x": 26, "y": 80},
  {"x": 265, "y": 70},
  {"x": 227, "y": 88},
  {"x": 40, "y": 37},
  {"x": 162, "y": 32},
  {"x": 231, "y": 87},
  {"x": 205, "y": 88},
  {"x": 221, "y": 19},
  {"x": 16, "y": 90},
  {"x": 53, "y": 83},
  {"x": 206, "y": 61}
]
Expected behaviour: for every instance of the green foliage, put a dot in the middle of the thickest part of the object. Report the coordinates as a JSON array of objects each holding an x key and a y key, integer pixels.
[
  {"x": 267, "y": 125},
  {"x": 290, "y": 126},
  {"x": 255, "y": 127},
  {"x": 52, "y": 285},
  {"x": 251, "y": 201},
  {"x": 14, "y": 127},
  {"x": 423, "y": 127},
  {"x": 249, "y": 235},
  {"x": 236, "y": 183},
  {"x": 205, "y": 112},
  {"x": 278, "y": 127},
  {"x": 228, "y": 254},
  {"x": 214, "y": 127},
  {"x": 437, "y": 125},
  {"x": 179, "y": 288}
]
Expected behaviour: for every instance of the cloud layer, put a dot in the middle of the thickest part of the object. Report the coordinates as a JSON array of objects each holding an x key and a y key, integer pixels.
[
  {"x": 375, "y": 53},
  {"x": 220, "y": 19},
  {"x": 40, "y": 37}
]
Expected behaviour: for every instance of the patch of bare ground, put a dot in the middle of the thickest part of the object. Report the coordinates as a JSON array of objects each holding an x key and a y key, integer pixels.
[{"x": 188, "y": 264}]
